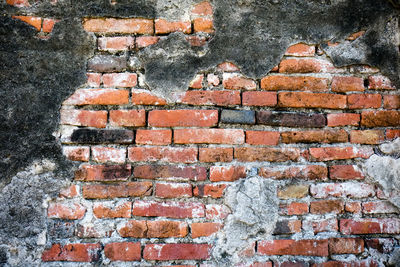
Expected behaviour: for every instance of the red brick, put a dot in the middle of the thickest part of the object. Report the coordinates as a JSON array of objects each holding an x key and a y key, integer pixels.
[
  {"x": 119, "y": 43},
  {"x": 217, "y": 212},
  {"x": 133, "y": 228},
  {"x": 369, "y": 137},
  {"x": 163, "y": 26},
  {"x": 144, "y": 97},
  {"x": 204, "y": 229},
  {"x": 89, "y": 118},
  {"x": 67, "y": 211},
  {"x": 128, "y": 118},
  {"x": 234, "y": 81},
  {"x": 300, "y": 50},
  {"x": 77, "y": 153},
  {"x": 197, "y": 82},
  {"x": 160, "y": 171},
  {"x": 349, "y": 189},
  {"x": 294, "y": 83},
  {"x": 305, "y": 66},
  {"x": 215, "y": 154},
  {"x": 353, "y": 207},
  {"x": 72, "y": 252},
  {"x": 311, "y": 172},
  {"x": 203, "y": 25},
  {"x": 346, "y": 245},
  {"x": 69, "y": 192},
  {"x": 202, "y": 9},
  {"x": 392, "y": 133},
  {"x": 119, "y": 79},
  {"x": 145, "y": 41},
  {"x": 360, "y": 101},
  {"x": 311, "y": 100},
  {"x": 126, "y": 251},
  {"x": 48, "y": 25},
  {"x": 183, "y": 118},
  {"x": 377, "y": 207},
  {"x": 264, "y": 99},
  {"x": 370, "y": 226},
  {"x": 210, "y": 136},
  {"x": 168, "y": 209},
  {"x": 98, "y": 97},
  {"x": 209, "y": 190},
  {"x": 228, "y": 174},
  {"x": 391, "y": 101},
  {"x": 381, "y": 118},
  {"x": 173, "y": 190},
  {"x": 153, "y": 137},
  {"x": 294, "y": 208},
  {"x": 379, "y": 82},
  {"x": 131, "y": 189},
  {"x": 218, "y": 98},
  {"x": 164, "y": 154},
  {"x": 267, "y": 154},
  {"x": 107, "y": 210},
  {"x": 343, "y": 119},
  {"x": 293, "y": 247},
  {"x": 327, "y": 206},
  {"x": 93, "y": 79},
  {"x": 347, "y": 84},
  {"x": 164, "y": 252},
  {"x": 319, "y": 226},
  {"x": 111, "y": 25},
  {"x": 18, "y": 3},
  {"x": 103, "y": 173},
  {"x": 345, "y": 172},
  {"x": 108, "y": 154},
  {"x": 325, "y": 136},
  {"x": 262, "y": 138},
  {"x": 36, "y": 22},
  {"x": 337, "y": 153},
  {"x": 228, "y": 67},
  {"x": 165, "y": 229}
]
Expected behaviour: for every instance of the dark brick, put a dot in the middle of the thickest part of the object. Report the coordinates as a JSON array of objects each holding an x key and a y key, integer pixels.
[
  {"x": 60, "y": 229},
  {"x": 291, "y": 119},
  {"x": 165, "y": 171},
  {"x": 98, "y": 136},
  {"x": 103, "y": 173},
  {"x": 107, "y": 63},
  {"x": 238, "y": 116}
]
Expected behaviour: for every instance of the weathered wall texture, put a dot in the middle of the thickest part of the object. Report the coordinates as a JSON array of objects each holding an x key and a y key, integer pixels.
[{"x": 192, "y": 133}]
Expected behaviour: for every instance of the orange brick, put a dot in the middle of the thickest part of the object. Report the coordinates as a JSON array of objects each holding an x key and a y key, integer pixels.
[
  {"x": 119, "y": 43},
  {"x": 312, "y": 100},
  {"x": 48, "y": 25},
  {"x": 183, "y": 118},
  {"x": 216, "y": 154},
  {"x": 324, "y": 136},
  {"x": 173, "y": 190},
  {"x": 77, "y": 153},
  {"x": 337, "y": 153},
  {"x": 111, "y": 25},
  {"x": 380, "y": 118},
  {"x": 229, "y": 174},
  {"x": 236, "y": 81},
  {"x": 144, "y": 97},
  {"x": 392, "y": 134},
  {"x": 133, "y": 228},
  {"x": 345, "y": 172},
  {"x": 165, "y": 229},
  {"x": 305, "y": 66},
  {"x": 202, "y": 9},
  {"x": 66, "y": 211},
  {"x": 265, "y": 99},
  {"x": 203, "y": 25},
  {"x": 145, "y": 41},
  {"x": 369, "y": 137},
  {"x": 210, "y": 136},
  {"x": 204, "y": 229},
  {"x": 164, "y": 26},
  {"x": 379, "y": 82},
  {"x": 164, "y": 154},
  {"x": 355, "y": 35},
  {"x": 98, "y": 97},
  {"x": 153, "y": 137},
  {"x": 391, "y": 101},
  {"x": 359, "y": 101},
  {"x": 343, "y": 119},
  {"x": 93, "y": 79},
  {"x": 108, "y": 154},
  {"x": 128, "y": 118},
  {"x": 119, "y": 79},
  {"x": 209, "y": 190},
  {"x": 18, "y": 3},
  {"x": 300, "y": 50},
  {"x": 89, "y": 118},
  {"x": 132, "y": 189},
  {"x": 262, "y": 138},
  {"x": 124, "y": 251},
  {"x": 294, "y": 247},
  {"x": 290, "y": 83},
  {"x": 36, "y": 22},
  {"x": 347, "y": 84},
  {"x": 72, "y": 252},
  {"x": 219, "y": 98},
  {"x": 119, "y": 210}
]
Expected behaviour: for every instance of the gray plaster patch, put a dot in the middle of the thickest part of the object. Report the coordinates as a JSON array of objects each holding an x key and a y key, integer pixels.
[{"x": 392, "y": 148}]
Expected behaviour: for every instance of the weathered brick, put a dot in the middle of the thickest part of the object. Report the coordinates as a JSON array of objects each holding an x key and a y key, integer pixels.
[
  {"x": 109, "y": 210},
  {"x": 97, "y": 136},
  {"x": 381, "y": 118},
  {"x": 212, "y": 80},
  {"x": 345, "y": 172},
  {"x": 202, "y": 9},
  {"x": 60, "y": 229},
  {"x": 284, "y": 119},
  {"x": 236, "y": 81},
  {"x": 130, "y": 118},
  {"x": 103, "y": 173},
  {"x": 369, "y": 137},
  {"x": 343, "y": 119},
  {"x": 113, "y": 44},
  {"x": 296, "y": 263},
  {"x": 197, "y": 40},
  {"x": 319, "y": 226},
  {"x": 311, "y": 100},
  {"x": 370, "y": 226},
  {"x": 35, "y": 22},
  {"x": 347, "y": 84},
  {"x": 300, "y": 50},
  {"x": 219, "y": 98},
  {"x": 203, "y": 25},
  {"x": 145, "y": 41},
  {"x": 165, "y": 154},
  {"x": 305, "y": 66},
  {"x": 209, "y": 190},
  {"x": 215, "y": 154},
  {"x": 238, "y": 116},
  {"x": 310, "y": 172},
  {"x": 229, "y": 173},
  {"x": 197, "y": 82},
  {"x": 294, "y": 208},
  {"x": 262, "y": 138},
  {"x": 348, "y": 189},
  {"x": 382, "y": 245},
  {"x": 293, "y": 191},
  {"x": 327, "y": 206},
  {"x": 294, "y": 247},
  {"x": 163, "y": 26},
  {"x": 133, "y": 228},
  {"x": 266, "y": 154},
  {"x": 183, "y": 118},
  {"x": 69, "y": 192},
  {"x": 107, "y": 63},
  {"x": 77, "y": 153},
  {"x": 377, "y": 207},
  {"x": 67, "y": 211},
  {"x": 294, "y": 83},
  {"x": 353, "y": 207},
  {"x": 204, "y": 229},
  {"x": 153, "y": 137},
  {"x": 93, "y": 79},
  {"x": 98, "y": 97},
  {"x": 160, "y": 171},
  {"x": 112, "y": 25},
  {"x": 228, "y": 67},
  {"x": 285, "y": 227},
  {"x": 173, "y": 190},
  {"x": 360, "y": 101},
  {"x": 346, "y": 245},
  {"x": 379, "y": 82},
  {"x": 165, "y": 229},
  {"x": 131, "y": 189},
  {"x": 265, "y": 99},
  {"x": 168, "y": 209},
  {"x": 216, "y": 212},
  {"x": 145, "y": 97},
  {"x": 211, "y": 136},
  {"x": 325, "y": 136},
  {"x": 391, "y": 101},
  {"x": 125, "y": 79},
  {"x": 108, "y": 154},
  {"x": 182, "y": 251},
  {"x": 392, "y": 134},
  {"x": 337, "y": 153},
  {"x": 124, "y": 251},
  {"x": 94, "y": 230},
  {"x": 72, "y": 252}
]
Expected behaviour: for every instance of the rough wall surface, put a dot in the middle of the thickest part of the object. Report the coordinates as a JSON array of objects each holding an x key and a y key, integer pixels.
[{"x": 142, "y": 133}]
